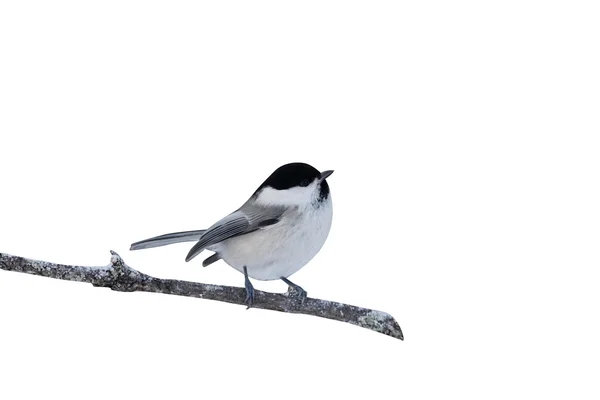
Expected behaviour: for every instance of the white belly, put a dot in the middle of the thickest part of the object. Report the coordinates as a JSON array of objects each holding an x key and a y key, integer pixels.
[{"x": 281, "y": 249}]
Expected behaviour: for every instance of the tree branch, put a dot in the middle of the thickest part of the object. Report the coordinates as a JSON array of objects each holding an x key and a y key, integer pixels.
[{"x": 120, "y": 277}]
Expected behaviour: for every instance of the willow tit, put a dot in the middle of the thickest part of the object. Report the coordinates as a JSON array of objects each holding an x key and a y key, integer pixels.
[{"x": 281, "y": 227}]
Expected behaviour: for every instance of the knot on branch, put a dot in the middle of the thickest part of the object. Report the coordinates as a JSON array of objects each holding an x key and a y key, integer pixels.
[
  {"x": 124, "y": 278},
  {"x": 116, "y": 260}
]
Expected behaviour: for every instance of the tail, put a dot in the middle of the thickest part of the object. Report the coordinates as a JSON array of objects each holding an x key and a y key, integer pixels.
[{"x": 169, "y": 238}]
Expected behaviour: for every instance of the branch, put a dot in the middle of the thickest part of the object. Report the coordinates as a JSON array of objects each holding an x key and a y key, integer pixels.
[{"x": 120, "y": 277}]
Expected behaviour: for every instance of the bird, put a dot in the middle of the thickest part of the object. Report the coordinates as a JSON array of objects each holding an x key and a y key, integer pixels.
[{"x": 275, "y": 233}]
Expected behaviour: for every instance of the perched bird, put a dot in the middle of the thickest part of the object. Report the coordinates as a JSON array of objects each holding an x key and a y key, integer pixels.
[{"x": 277, "y": 231}]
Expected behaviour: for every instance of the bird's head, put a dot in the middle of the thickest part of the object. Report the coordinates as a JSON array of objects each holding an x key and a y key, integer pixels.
[{"x": 295, "y": 184}]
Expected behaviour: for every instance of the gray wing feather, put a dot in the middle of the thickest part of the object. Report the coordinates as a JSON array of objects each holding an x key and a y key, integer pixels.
[
  {"x": 248, "y": 218},
  {"x": 212, "y": 259}
]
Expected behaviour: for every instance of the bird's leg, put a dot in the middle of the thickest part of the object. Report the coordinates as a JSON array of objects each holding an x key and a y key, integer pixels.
[
  {"x": 249, "y": 289},
  {"x": 295, "y": 290}
]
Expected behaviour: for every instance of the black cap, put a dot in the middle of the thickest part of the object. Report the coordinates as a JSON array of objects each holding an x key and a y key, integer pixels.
[{"x": 292, "y": 175}]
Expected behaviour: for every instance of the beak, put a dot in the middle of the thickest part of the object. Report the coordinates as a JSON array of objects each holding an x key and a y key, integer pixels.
[{"x": 325, "y": 174}]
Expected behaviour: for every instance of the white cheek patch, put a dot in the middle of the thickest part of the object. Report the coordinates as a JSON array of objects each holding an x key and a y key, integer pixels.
[{"x": 290, "y": 197}]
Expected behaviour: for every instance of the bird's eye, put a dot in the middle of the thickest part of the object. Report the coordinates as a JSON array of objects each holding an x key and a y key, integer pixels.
[{"x": 304, "y": 182}]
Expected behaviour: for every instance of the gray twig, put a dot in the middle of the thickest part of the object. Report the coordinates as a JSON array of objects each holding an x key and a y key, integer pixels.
[{"x": 120, "y": 277}]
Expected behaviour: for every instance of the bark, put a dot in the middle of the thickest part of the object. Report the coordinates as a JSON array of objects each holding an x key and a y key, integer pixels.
[{"x": 120, "y": 277}]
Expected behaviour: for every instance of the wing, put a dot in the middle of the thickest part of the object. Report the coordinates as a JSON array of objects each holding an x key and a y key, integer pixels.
[{"x": 245, "y": 220}]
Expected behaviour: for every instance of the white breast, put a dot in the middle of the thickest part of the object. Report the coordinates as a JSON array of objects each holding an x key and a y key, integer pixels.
[{"x": 281, "y": 249}]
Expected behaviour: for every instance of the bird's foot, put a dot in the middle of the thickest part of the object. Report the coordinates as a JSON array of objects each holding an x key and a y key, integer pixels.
[
  {"x": 249, "y": 290},
  {"x": 295, "y": 291},
  {"x": 249, "y": 294},
  {"x": 298, "y": 293}
]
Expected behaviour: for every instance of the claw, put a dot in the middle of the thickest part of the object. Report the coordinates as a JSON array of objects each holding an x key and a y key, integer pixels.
[{"x": 298, "y": 293}]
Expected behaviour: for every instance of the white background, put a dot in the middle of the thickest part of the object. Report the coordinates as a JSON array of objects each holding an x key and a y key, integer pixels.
[{"x": 464, "y": 140}]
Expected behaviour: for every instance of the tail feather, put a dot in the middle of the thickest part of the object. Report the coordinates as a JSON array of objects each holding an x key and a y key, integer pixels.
[{"x": 169, "y": 238}]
